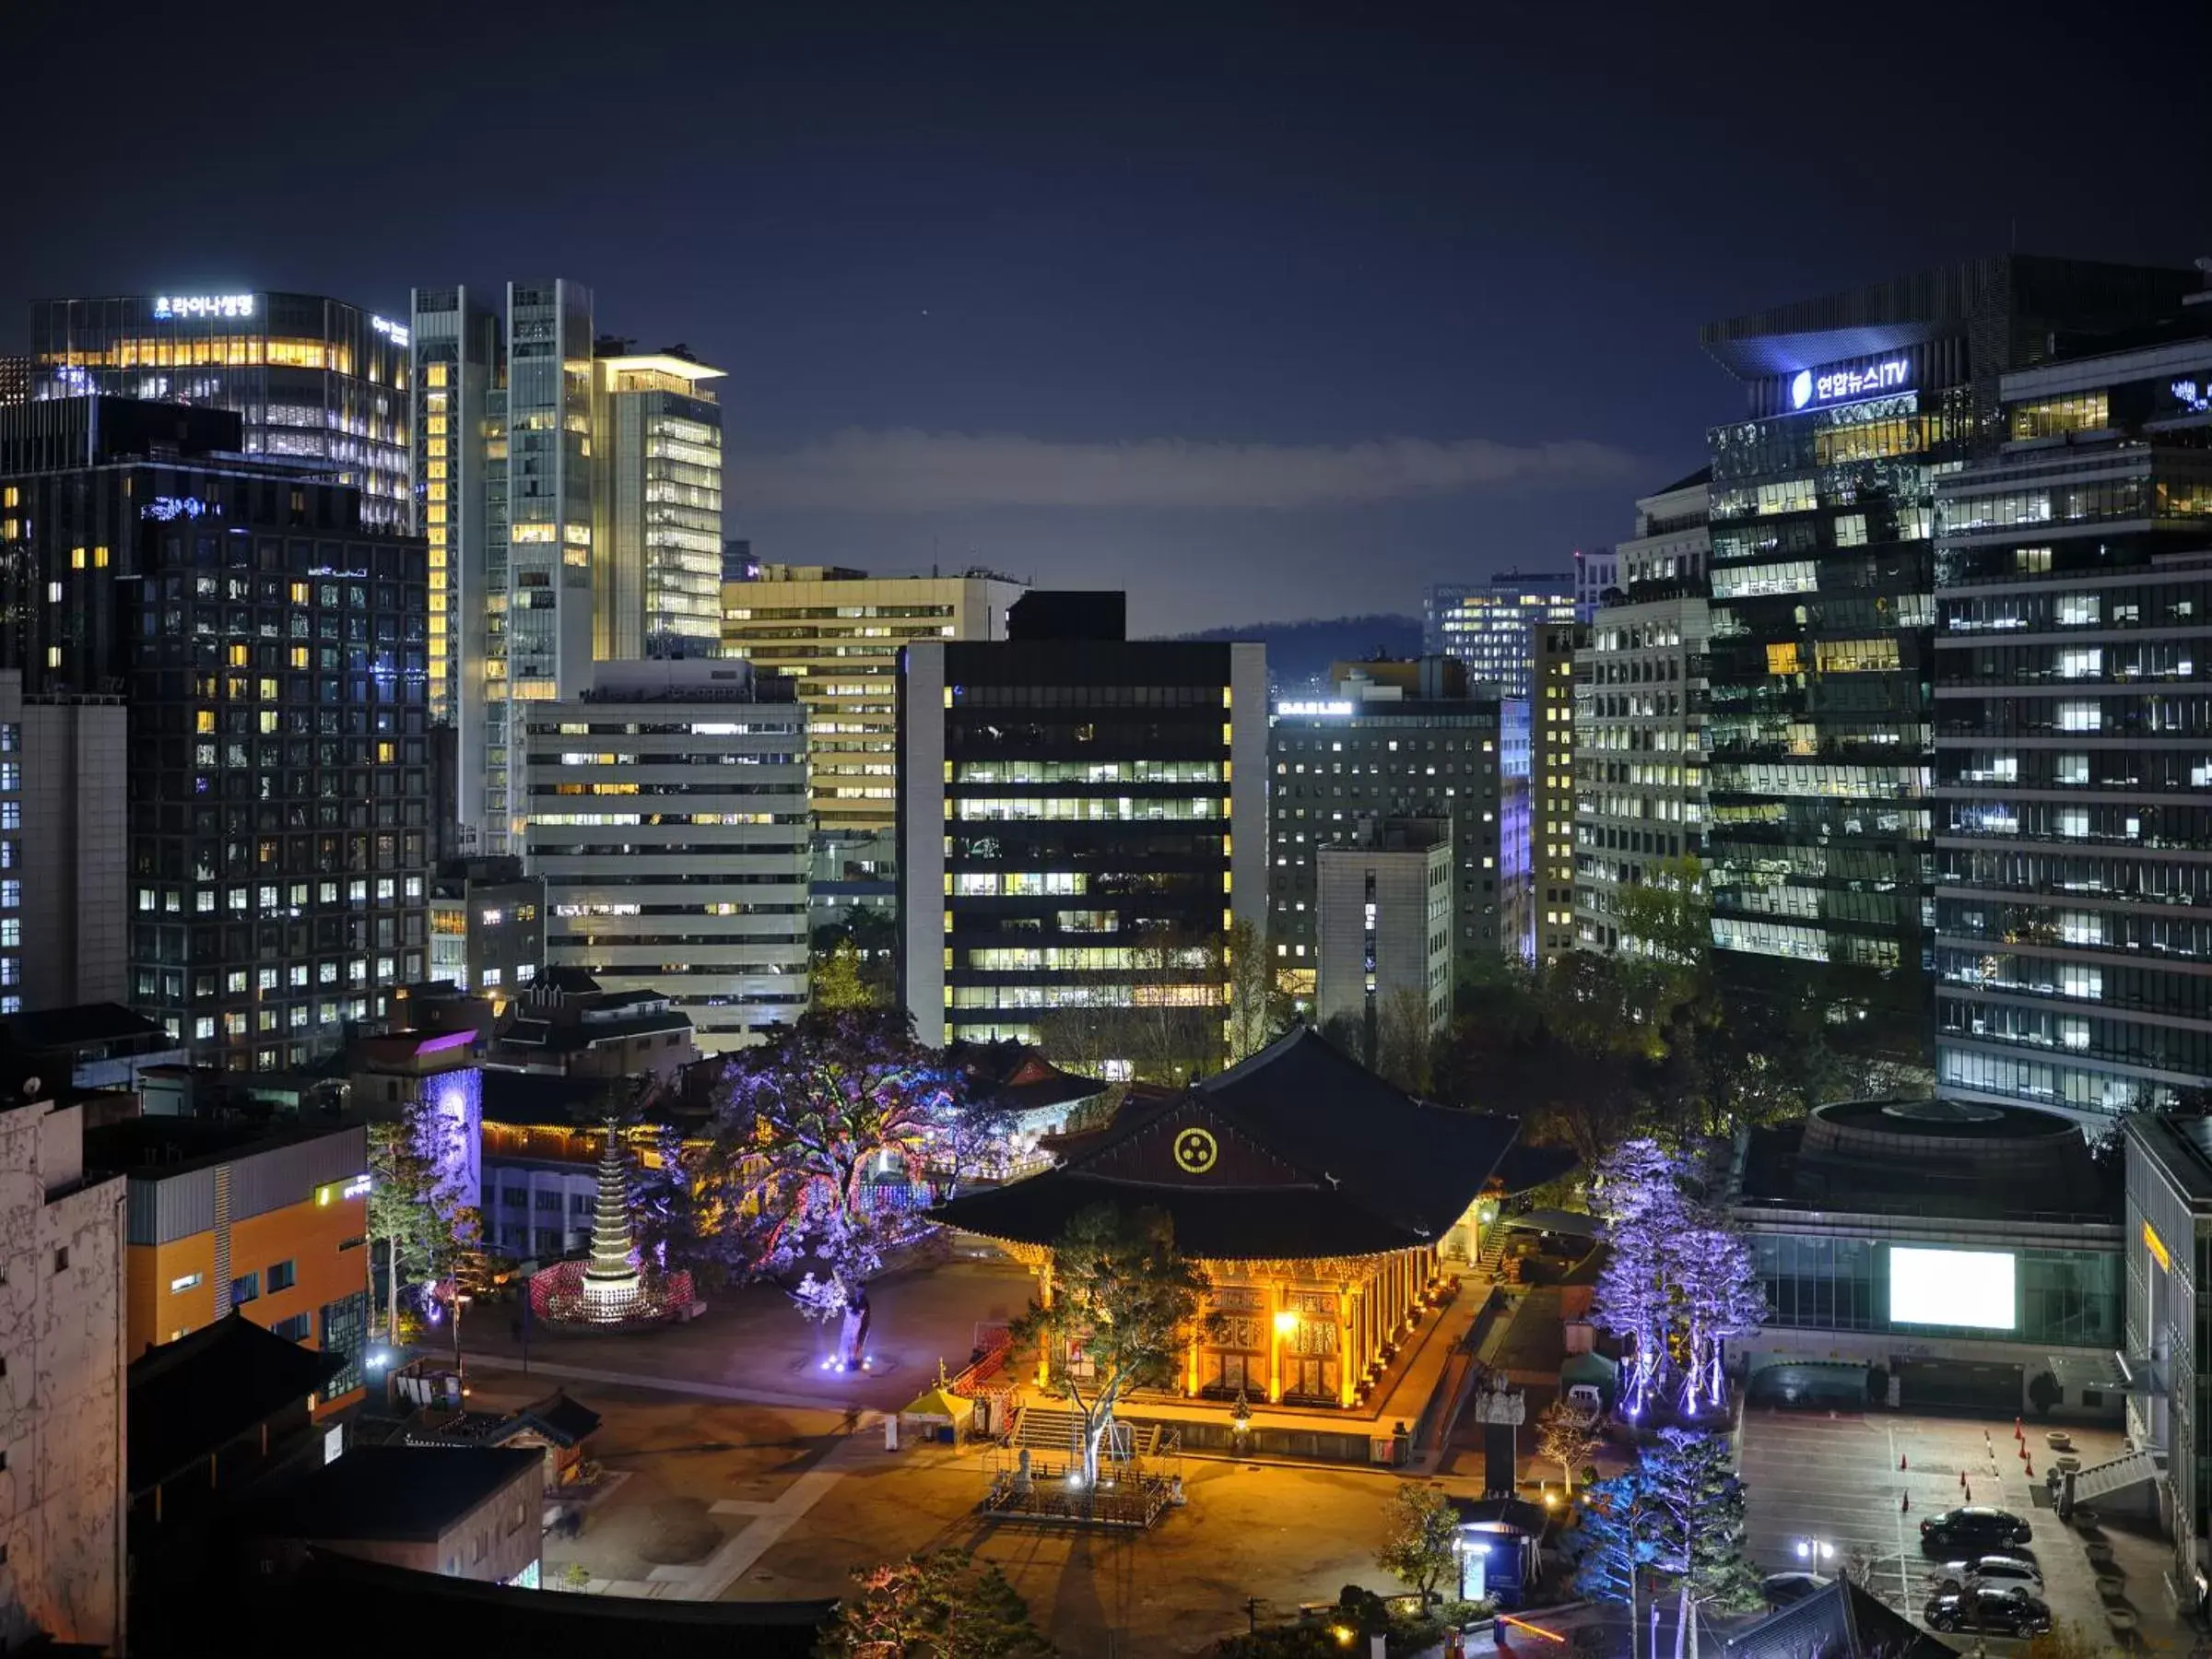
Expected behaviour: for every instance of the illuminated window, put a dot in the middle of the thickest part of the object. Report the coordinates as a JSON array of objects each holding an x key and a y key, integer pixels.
[{"x": 1782, "y": 659}]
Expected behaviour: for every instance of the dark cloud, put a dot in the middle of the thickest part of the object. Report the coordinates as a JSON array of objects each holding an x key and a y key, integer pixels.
[{"x": 911, "y": 471}]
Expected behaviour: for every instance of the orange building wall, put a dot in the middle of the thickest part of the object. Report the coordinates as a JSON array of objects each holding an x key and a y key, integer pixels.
[
  {"x": 306, "y": 1234},
  {"x": 153, "y": 1313}
]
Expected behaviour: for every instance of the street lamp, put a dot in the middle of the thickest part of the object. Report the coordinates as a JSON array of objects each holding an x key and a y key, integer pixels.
[{"x": 1815, "y": 1550}]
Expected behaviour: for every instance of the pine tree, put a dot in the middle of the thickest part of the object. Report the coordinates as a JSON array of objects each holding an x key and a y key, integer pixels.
[
  {"x": 1697, "y": 1532},
  {"x": 1639, "y": 1194},
  {"x": 416, "y": 1211},
  {"x": 938, "y": 1605},
  {"x": 1720, "y": 1297},
  {"x": 1613, "y": 1539}
]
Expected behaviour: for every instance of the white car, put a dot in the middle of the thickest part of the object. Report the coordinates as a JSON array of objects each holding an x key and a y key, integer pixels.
[{"x": 1993, "y": 1572}]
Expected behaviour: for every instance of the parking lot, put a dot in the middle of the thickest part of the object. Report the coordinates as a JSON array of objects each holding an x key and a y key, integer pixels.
[{"x": 1860, "y": 1485}]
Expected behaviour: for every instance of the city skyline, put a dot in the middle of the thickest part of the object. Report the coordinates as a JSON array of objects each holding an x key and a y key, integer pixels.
[{"x": 1264, "y": 322}]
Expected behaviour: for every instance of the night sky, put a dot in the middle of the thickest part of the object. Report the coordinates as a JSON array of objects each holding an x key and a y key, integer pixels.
[{"x": 1260, "y": 312}]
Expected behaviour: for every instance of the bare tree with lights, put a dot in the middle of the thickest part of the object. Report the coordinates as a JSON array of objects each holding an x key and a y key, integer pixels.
[
  {"x": 1567, "y": 1435},
  {"x": 802, "y": 1119}
]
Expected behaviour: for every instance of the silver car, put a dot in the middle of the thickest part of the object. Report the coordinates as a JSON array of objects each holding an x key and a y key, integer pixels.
[{"x": 1992, "y": 1571}]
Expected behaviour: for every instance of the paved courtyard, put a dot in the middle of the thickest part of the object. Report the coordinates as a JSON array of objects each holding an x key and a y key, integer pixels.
[
  {"x": 751, "y": 1345},
  {"x": 727, "y": 1500},
  {"x": 1835, "y": 1479}
]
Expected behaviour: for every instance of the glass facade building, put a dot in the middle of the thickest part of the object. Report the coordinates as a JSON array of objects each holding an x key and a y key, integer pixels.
[
  {"x": 1492, "y": 626},
  {"x": 516, "y": 400},
  {"x": 271, "y": 654},
  {"x": 1639, "y": 707},
  {"x": 1821, "y": 657},
  {"x": 315, "y": 381},
  {"x": 1397, "y": 740},
  {"x": 2074, "y": 739},
  {"x": 658, "y": 446},
  {"x": 1080, "y": 821}
]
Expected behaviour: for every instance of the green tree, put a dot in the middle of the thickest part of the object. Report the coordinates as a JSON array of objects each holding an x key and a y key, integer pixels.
[
  {"x": 1258, "y": 1013},
  {"x": 1613, "y": 1539},
  {"x": 1126, "y": 1299},
  {"x": 417, "y": 1214},
  {"x": 835, "y": 981},
  {"x": 1666, "y": 918},
  {"x": 1698, "y": 1523},
  {"x": 1405, "y": 1043},
  {"x": 1419, "y": 1531},
  {"x": 943, "y": 1604}
]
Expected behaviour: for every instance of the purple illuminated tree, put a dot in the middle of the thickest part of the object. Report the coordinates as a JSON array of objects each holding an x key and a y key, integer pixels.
[
  {"x": 801, "y": 1124},
  {"x": 1638, "y": 1191},
  {"x": 1721, "y": 1297}
]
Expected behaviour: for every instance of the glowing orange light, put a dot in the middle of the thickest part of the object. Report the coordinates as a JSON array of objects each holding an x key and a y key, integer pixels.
[{"x": 1521, "y": 1624}]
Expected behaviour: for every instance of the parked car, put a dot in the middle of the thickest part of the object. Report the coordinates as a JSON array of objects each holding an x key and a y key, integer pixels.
[
  {"x": 1971, "y": 1530},
  {"x": 1992, "y": 1612},
  {"x": 1998, "y": 1572},
  {"x": 1783, "y": 1589}
]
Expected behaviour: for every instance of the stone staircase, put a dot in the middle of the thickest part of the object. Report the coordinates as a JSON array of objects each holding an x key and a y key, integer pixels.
[{"x": 1051, "y": 1434}]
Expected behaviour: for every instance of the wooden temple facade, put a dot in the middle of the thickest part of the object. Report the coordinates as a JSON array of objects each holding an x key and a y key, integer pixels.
[{"x": 1316, "y": 1196}]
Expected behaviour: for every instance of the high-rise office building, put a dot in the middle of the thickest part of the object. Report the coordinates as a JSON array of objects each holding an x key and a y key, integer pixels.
[
  {"x": 270, "y": 653},
  {"x": 2073, "y": 670},
  {"x": 64, "y": 859},
  {"x": 839, "y": 632},
  {"x": 572, "y": 504},
  {"x": 1639, "y": 706},
  {"x": 657, "y": 564},
  {"x": 1823, "y": 606},
  {"x": 1398, "y": 740},
  {"x": 460, "y": 362},
  {"x": 317, "y": 381},
  {"x": 1597, "y": 570},
  {"x": 1490, "y": 626},
  {"x": 668, "y": 818},
  {"x": 1551, "y": 790},
  {"x": 1383, "y": 947},
  {"x": 1081, "y": 819},
  {"x": 62, "y": 1333}
]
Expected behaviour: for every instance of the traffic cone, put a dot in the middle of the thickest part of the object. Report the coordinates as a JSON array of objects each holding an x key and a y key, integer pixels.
[
  {"x": 1970, "y": 1490},
  {"x": 1962, "y": 1480},
  {"x": 2023, "y": 1450},
  {"x": 2032, "y": 1468},
  {"x": 2019, "y": 1433},
  {"x": 1901, "y": 1460},
  {"x": 1904, "y": 1503}
]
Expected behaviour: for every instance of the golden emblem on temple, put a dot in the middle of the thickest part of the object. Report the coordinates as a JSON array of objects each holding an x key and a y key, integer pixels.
[{"x": 1195, "y": 1151}]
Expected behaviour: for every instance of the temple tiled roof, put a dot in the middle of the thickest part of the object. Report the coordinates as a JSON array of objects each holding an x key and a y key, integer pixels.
[{"x": 1298, "y": 1151}]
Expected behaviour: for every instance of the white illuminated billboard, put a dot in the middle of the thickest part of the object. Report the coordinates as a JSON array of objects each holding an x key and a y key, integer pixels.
[{"x": 1972, "y": 1289}]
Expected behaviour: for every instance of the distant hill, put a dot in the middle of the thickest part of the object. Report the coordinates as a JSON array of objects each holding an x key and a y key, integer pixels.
[{"x": 1298, "y": 654}]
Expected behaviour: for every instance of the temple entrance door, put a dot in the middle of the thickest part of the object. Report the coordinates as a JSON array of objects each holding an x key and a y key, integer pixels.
[
  {"x": 1248, "y": 1372},
  {"x": 1315, "y": 1379}
]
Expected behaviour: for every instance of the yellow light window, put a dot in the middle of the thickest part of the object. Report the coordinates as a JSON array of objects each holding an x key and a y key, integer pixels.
[
  {"x": 238, "y": 656},
  {"x": 1782, "y": 659},
  {"x": 77, "y": 559}
]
